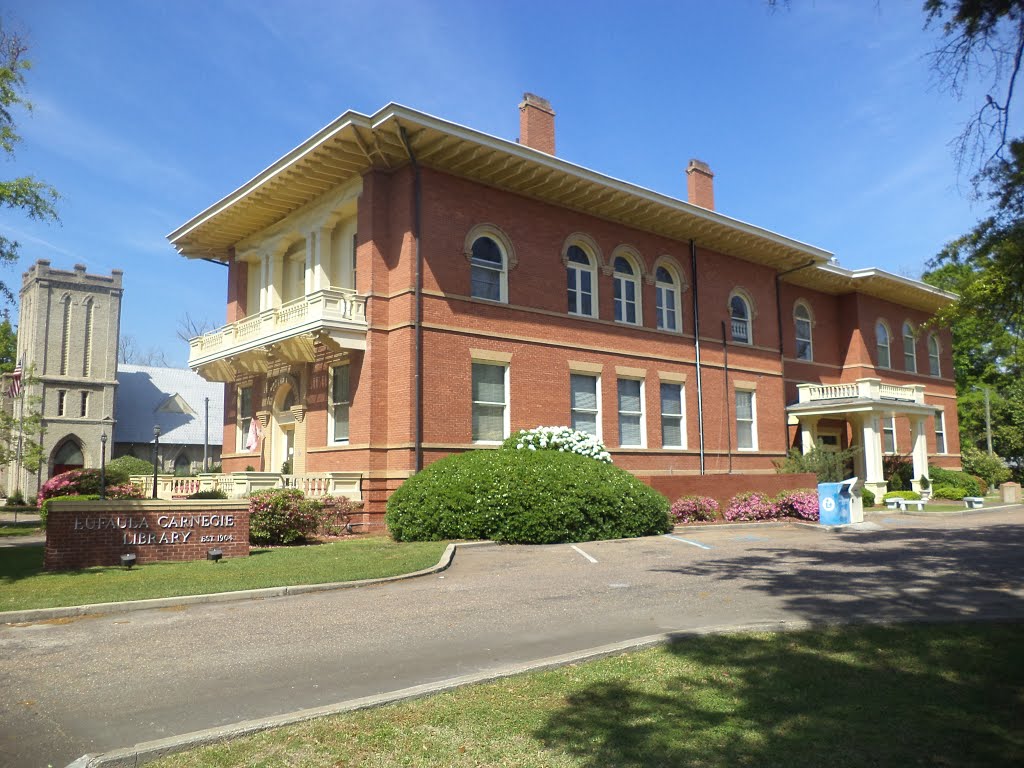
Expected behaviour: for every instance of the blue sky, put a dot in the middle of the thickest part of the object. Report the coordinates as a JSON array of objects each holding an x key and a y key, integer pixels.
[{"x": 821, "y": 122}]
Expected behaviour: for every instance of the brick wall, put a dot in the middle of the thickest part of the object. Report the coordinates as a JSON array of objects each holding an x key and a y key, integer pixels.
[
  {"x": 80, "y": 534},
  {"x": 723, "y": 487}
]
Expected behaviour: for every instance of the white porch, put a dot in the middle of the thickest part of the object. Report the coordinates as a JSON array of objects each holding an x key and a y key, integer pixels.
[
  {"x": 238, "y": 485},
  {"x": 863, "y": 404}
]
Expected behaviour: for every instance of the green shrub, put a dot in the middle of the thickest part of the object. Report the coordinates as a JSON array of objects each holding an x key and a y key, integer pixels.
[
  {"x": 949, "y": 492},
  {"x": 527, "y": 497},
  {"x": 908, "y": 495},
  {"x": 16, "y": 500},
  {"x": 867, "y": 497},
  {"x": 214, "y": 494},
  {"x": 898, "y": 471},
  {"x": 992, "y": 469},
  {"x": 954, "y": 479},
  {"x": 828, "y": 466},
  {"x": 123, "y": 467},
  {"x": 337, "y": 514},
  {"x": 44, "y": 508},
  {"x": 982, "y": 485},
  {"x": 282, "y": 516}
]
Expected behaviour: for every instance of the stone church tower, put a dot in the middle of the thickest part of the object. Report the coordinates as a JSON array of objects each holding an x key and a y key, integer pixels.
[{"x": 68, "y": 329}]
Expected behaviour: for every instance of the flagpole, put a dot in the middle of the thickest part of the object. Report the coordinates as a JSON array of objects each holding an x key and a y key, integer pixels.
[{"x": 21, "y": 430}]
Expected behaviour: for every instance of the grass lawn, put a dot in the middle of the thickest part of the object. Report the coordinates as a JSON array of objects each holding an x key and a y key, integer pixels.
[
  {"x": 946, "y": 695},
  {"x": 19, "y": 529},
  {"x": 24, "y": 584}
]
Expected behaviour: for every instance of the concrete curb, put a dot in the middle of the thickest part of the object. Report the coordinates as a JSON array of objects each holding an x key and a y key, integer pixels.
[
  {"x": 73, "y": 611},
  {"x": 148, "y": 751}
]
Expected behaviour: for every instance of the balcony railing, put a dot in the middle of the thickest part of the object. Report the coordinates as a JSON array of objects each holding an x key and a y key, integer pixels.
[
  {"x": 338, "y": 311},
  {"x": 238, "y": 485},
  {"x": 868, "y": 389}
]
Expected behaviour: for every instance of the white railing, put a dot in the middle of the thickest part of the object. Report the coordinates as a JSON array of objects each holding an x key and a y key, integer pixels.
[
  {"x": 336, "y": 305},
  {"x": 238, "y": 485},
  {"x": 868, "y": 389}
]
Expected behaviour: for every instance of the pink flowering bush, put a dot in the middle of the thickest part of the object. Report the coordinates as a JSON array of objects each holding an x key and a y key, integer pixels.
[
  {"x": 336, "y": 513},
  {"x": 751, "y": 506},
  {"x": 85, "y": 482},
  {"x": 282, "y": 516},
  {"x": 800, "y": 504},
  {"x": 694, "y": 509}
]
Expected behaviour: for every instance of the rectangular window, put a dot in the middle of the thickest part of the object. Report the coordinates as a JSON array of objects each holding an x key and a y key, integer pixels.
[
  {"x": 584, "y": 403},
  {"x": 339, "y": 404},
  {"x": 889, "y": 434},
  {"x": 940, "y": 432},
  {"x": 62, "y": 397},
  {"x": 85, "y": 404},
  {"x": 673, "y": 427},
  {"x": 746, "y": 423},
  {"x": 631, "y": 413},
  {"x": 490, "y": 404},
  {"x": 244, "y": 416}
]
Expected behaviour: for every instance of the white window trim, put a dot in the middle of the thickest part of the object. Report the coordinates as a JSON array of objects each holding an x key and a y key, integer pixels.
[
  {"x": 745, "y": 298},
  {"x": 912, "y": 349},
  {"x": 810, "y": 331},
  {"x": 331, "y": 404},
  {"x": 243, "y": 433},
  {"x": 940, "y": 426},
  {"x": 508, "y": 259},
  {"x": 642, "y": 413},
  {"x": 891, "y": 421},
  {"x": 934, "y": 340},
  {"x": 597, "y": 397},
  {"x": 593, "y": 270},
  {"x": 682, "y": 415},
  {"x": 753, "y": 420},
  {"x": 676, "y": 286},
  {"x": 636, "y": 279},
  {"x": 506, "y": 420},
  {"x": 888, "y": 345}
]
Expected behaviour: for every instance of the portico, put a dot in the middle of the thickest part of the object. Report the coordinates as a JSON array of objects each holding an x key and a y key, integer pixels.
[{"x": 864, "y": 404}]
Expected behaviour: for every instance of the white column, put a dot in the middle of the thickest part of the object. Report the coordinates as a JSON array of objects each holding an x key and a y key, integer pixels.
[
  {"x": 808, "y": 432},
  {"x": 275, "y": 282},
  {"x": 311, "y": 261},
  {"x": 874, "y": 479},
  {"x": 264, "y": 281},
  {"x": 920, "y": 450},
  {"x": 323, "y": 257}
]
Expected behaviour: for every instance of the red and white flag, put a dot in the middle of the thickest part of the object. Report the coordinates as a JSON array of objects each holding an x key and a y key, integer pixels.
[
  {"x": 15, "y": 389},
  {"x": 253, "y": 438}
]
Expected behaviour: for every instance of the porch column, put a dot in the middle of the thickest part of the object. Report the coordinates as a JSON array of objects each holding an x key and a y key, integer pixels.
[
  {"x": 871, "y": 442},
  {"x": 311, "y": 262},
  {"x": 275, "y": 286},
  {"x": 808, "y": 432},
  {"x": 919, "y": 451},
  {"x": 323, "y": 257},
  {"x": 264, "y": 281}
]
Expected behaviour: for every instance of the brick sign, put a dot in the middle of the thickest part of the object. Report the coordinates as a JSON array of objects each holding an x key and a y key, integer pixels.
[{"x": 80, "y": 534}]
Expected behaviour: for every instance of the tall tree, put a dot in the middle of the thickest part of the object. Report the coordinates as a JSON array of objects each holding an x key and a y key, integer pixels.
[{"x": 36, "y": 198}]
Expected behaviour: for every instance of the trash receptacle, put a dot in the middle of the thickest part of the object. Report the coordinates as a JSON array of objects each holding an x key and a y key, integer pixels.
[
  {"x": 834, "y": 502},
  {"x": 1009, "y": 493}
]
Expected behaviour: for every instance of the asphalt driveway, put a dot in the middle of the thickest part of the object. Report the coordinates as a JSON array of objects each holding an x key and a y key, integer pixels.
[{"x": 104, "y": 682}]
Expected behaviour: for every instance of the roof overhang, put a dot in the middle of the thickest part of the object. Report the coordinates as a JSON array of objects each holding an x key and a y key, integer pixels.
[
  {"x": 355, "y": 143},
  {"x": 833, "y": 279},
  {"x": 843, "y": 406}
]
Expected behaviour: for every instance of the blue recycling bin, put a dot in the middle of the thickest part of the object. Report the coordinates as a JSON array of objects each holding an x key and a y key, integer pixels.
[{"x": 834, "y": 502}]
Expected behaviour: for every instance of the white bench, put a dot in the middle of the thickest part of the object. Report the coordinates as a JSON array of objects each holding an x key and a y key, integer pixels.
[
  {"x": 974, "y": 502},
  {"x": 918, "y": 504},
  {"x": 894, "y": 503}
]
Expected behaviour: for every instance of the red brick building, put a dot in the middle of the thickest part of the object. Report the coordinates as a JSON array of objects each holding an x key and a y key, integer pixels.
[{"x": 401, "y": 287}]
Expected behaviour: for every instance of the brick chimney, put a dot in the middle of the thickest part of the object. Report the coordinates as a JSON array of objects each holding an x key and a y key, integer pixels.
[
  {"x": 537, "y": 123},
  {"x": 700, "y": 184}
]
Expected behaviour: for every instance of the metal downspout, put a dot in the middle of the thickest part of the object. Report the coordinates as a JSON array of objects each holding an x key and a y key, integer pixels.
[{"x": 418, "y": 292}]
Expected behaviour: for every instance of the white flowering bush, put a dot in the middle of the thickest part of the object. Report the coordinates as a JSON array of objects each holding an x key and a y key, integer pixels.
[{"x": 562, "y": 439}]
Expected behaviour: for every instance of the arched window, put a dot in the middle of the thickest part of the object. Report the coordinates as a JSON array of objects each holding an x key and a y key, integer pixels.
[
  {"x": 882, "y": 344},
  {"x": 909, "y": 349},
  {"x": 627, "y": 291},
  {"x": 68, "y": 456},
  {"x": 487, "y": 270},
  {"x": 65, "y": 344},
  {"x": 739, "y": 314},
  {"x": 934, "y": 366},
  {"x": 666, "y": 299},
  {"x": 580, "y": 277},
  {"x": 802, "y": 324},
  {"x": 182, "y": 465}
]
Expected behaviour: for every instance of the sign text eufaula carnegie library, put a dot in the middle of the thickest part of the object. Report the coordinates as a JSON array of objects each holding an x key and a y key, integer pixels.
[{"x": 168, "y": 529}]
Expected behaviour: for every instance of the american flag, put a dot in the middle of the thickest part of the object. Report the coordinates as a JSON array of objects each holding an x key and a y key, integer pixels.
[{"x": 15, "y": 388}]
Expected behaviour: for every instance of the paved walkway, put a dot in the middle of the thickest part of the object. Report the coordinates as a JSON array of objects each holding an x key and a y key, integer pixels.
[{"x": 100, "y": 683}]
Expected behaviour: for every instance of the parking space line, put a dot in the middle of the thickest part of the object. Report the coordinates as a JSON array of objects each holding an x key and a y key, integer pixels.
[
  {"x": 591, "y": 559},
  {"x": 686, "y": 541}
]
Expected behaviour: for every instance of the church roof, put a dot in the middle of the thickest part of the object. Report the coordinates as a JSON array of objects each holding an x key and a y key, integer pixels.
[{"x": 172, "y": 398}]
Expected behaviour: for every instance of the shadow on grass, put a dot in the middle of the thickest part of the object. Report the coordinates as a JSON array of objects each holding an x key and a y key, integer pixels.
[{"x": 873, "y": 696}]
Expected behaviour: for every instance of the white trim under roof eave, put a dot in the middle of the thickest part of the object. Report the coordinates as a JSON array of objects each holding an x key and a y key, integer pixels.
[
  {"x": 324, "y": 134},
  {"x": 908, "y": 281},
  {"x": 397, "y": 111}
]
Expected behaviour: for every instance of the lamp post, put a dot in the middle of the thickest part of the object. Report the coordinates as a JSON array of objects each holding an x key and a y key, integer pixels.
[
  {"x": 103, "y": 465},
  {"x": 156, "y": 455}
]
